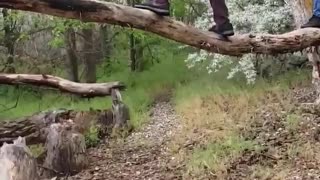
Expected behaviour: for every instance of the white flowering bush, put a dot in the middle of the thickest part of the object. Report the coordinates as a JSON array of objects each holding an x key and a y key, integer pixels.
[{"x": 255, "y": 16}]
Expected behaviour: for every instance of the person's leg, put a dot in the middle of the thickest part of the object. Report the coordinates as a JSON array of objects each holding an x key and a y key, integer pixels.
[
  {"x": 316, "y": 8},
  {"x": 161, "y": 7},
  {"x": 221, "y": 18},
  {"x": 314, "y": 21},
  {"x": 220, "y": 11}
]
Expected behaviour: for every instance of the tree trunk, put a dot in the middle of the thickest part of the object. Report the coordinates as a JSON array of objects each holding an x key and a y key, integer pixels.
[
  {"x": 302, "y": 11},
  {"x": 65, "y": 151},
  {"x": 72, "y": 59},
  {"x": 121, "y": 114},
  {"x": 106, "y": 42},
  {"x": 132, "y": 52},
  {"x": 90, "y": 60},
  {"x": 16, "y": 162},
  {"x": 9, "y": 39},
  {"x": 135, "y": 48},
  {"x": 140, "y": 61}
]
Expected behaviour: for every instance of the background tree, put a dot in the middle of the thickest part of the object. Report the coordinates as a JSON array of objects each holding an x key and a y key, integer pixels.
[{"x": 260, "y": 16}]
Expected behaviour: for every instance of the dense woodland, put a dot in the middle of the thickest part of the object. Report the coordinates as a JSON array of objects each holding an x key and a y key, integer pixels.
[{"x": 191, "y": 113}]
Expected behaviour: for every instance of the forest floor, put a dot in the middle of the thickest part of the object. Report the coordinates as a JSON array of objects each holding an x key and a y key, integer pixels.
[
  {"x": 280, "y": 140},
  {"x": 142, "y": 155}
]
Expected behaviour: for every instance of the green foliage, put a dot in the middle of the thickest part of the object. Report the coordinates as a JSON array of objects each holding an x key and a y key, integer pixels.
[
  {"x": 213, "y": 156},
  {"x": 61, "y": 26},
  {"x": 91, "y": 137},
  {"x": 292, "y": 122},
  {"x": 37, "y": 150},
  {"x": 179, "y": 8}
]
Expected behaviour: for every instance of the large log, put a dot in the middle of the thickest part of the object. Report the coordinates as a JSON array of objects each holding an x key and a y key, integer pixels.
[
  {"x": 82, "y": 89},
  {"x": 35, "y": 128},
  {"x": 107, "y": 12},
  {"x": 32, "y": 128},
  {"x": 16, "y": 162}
]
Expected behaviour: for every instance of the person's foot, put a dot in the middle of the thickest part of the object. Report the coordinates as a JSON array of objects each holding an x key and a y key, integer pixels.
[
  {"x": 160, "y": 7},
  {"x": 225, "y": 29},
  {"x": 314, "y": 21}
]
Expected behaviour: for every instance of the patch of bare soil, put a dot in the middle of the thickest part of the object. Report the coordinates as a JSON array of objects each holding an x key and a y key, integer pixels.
[
  {"x": 289, "y": 140},
  {"x": 142, "y": 155}
]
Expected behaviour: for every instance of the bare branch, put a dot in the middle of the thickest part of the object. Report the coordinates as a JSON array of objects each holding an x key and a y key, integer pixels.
[
  {"x": 82, "y": 89},
  {"x": 107, "y": 12}
]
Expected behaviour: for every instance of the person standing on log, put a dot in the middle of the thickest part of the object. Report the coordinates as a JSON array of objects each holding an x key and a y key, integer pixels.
[
  {"x": 220, "y": 14},
  {"x": 314, "y": 21}
]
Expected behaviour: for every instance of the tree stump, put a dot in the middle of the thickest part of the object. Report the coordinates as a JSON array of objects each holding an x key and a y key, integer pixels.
[
  {"x": 16, "y": 162},
  {"x": 121, "y": 114},
  {"x": 65, "y": 151}
]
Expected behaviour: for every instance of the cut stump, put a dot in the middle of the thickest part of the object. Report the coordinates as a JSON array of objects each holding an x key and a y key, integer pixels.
[
  {"x": 16, "y": 162},
  {"x": 65, "y": 151}
]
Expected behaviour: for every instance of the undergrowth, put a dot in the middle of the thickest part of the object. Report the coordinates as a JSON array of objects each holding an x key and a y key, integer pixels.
[
  {"x": 213, "y": 114},
  {"x": 142, "y": 89}
]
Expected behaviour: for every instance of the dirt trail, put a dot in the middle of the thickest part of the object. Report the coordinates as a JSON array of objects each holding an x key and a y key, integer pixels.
[{"x": 143, "y": 154}]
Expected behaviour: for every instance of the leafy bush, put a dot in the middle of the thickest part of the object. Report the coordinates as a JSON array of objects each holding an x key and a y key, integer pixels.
[{"x": 91, "y": 137}]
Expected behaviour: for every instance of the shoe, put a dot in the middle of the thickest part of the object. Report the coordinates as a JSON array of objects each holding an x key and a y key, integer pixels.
[
  {"x": 314, "y": 21},
  {"x": 225, "y": 29},
  {"x": 160, "y": 7}
]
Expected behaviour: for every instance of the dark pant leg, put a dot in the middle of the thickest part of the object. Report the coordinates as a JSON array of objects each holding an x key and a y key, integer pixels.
[
  {"x": 220, "y": 11},
  {"x": 162, "y": 1},
  {"x": 316, "y": 8}
]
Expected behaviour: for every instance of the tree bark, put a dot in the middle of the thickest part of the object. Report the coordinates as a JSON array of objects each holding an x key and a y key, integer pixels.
[
  {"x": 90, "y": 60},
  {"x": 106, "y": 42},
  {"x": 35, "y": 127},
  {"x": 9, "y": 39},
  {"x": 32, "y": 128},
  {"x": 65, "y": 151},
  {"x": 132, "y": 52},
  {"x": 302, "y": 11},
  {"x": 16, "y": 162},
  {"x": 72, "y": 59},
  {"x": 106, "y": 12},
  {"x": 121, "y": 114},
  {"x": 81, "y": 89}
]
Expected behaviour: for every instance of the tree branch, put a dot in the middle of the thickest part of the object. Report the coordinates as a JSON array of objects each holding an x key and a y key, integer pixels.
[
  {"x": 82, "y": 89},
  {"x": 12, "y": 107},
  {"x": 106, "y": 12}
]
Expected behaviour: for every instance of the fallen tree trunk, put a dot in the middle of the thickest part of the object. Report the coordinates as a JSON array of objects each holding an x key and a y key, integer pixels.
[
  {"x": 32, "y": 128},
  {"x": 106, "y": 12},
  {"x": 82, "y": 89},
  {"x": 36, "y": 127}
]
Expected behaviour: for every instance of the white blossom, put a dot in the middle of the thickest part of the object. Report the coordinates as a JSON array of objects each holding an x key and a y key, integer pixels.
[{"x": 254, "y": 16}]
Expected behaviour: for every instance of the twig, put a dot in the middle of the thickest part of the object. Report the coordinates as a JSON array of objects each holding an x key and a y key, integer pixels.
[
  {"x": 50, "y": 169},
  {"x": 15, "y": 105}
]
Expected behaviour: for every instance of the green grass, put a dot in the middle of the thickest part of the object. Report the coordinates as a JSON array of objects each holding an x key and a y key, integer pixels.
[
  {"x": 142, "y": 88},
  {"x": 213, "y": 157},
  {"x": 292, "y": 122},
  {"x": 205, "y": 84}
]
